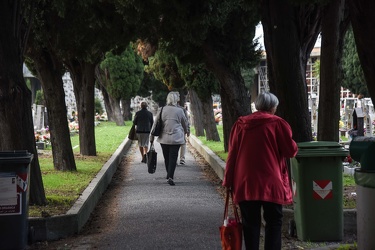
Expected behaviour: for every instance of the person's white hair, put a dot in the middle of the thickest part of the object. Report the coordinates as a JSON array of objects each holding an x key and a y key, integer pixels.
[
  {"x": 266, "y": 101},
  {"x": 177, "y": 94},
  {"x": 172, "y": 98}
]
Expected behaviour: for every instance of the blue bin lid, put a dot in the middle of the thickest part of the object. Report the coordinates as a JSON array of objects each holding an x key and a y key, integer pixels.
[{"x": 321, "y": 148}]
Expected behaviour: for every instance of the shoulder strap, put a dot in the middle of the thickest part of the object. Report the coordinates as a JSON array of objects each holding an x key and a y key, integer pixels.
[
  {"x": 161, "y": 111},
  {"x": 235, "y": 212}
]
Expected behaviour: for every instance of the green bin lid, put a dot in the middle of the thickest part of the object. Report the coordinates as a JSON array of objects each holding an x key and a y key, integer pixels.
[
  {"x": 321, "y": 148},
  {"x": 16, "y": 156}
]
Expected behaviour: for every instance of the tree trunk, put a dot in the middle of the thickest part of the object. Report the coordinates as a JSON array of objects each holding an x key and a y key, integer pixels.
[
  {"x": 290, "y": 33},
  {"x": 362, "y": 19},
  {"x": 107, "y": 105},
  {"x": 116, "y": 115},
  {"x": 330, "y": 70},
  {"x": 16, "y": 123},
  {"x": 196, "y": 111},
  {"x": 234, "y": 95},
  {"x": 182, "y": 97},
  {"x": 126, "y": 110},
  {"x": 112, "y": 105},
  {"x": 49, "y": 72},
  {"x": 209, "y": 121},
  {"x": 115, "y": 111},
  {"x": 83, "y": 76}
]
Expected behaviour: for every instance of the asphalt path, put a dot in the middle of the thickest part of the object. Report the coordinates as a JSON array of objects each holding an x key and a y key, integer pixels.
[
  {"x": 155, "y": 215},
  {"x": 142, "y": 211}
]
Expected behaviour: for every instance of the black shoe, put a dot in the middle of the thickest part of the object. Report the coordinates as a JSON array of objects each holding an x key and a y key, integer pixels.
[
  {"x": 171, "y": 182},
  {"x": 144, "y": 159},
  {"x": 182, "y": 162}
]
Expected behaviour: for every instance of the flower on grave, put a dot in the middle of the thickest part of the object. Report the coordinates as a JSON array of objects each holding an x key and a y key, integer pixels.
[
  {"x": 37, "y": 136},
  {"x": 47, "y": 138},
  {"x": 42, "y": 136},
  {"x": 73, "y": 127},
  {"x": 103, "y": 117},
  {"x": 348, "y": 159},
  {"x": 314, "y": 136},
  {"x": 341, "y": 124}
]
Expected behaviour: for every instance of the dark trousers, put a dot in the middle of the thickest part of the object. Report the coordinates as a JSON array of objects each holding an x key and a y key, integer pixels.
[
  {"x": 251, "y": 220},
  {"x": 170, "y": 153}
]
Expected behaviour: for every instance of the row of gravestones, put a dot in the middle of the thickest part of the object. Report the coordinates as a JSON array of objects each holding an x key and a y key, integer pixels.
[
  {"x": 40, "y": 122},
  {"x": 357, "y": 116},
  {"x": 136, "y": 104},
  {"x": 39, "y": 117}
]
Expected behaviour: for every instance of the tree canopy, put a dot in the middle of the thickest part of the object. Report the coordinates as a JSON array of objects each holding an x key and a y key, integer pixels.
[
  {"x": 164, "y": 67},
  {"x": 353, "y": 79},
  {"x": 123, "y": 73},
  {"x": 217, "y": 33}
]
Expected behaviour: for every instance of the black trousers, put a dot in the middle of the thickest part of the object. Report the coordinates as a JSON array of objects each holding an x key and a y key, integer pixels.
[
  {"x": 251, "y": 220},
  {"x": 170, "y": 153}
]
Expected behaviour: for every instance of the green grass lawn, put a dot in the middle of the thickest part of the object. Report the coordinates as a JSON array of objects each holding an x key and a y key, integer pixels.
[
  {"x": 216, "y": 147},
  {"x": 63, "y": 188}
]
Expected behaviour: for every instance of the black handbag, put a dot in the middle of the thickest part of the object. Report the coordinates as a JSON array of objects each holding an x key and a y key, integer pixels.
[
  {"x": 151, "y": 159},
  {"x": 132, "y": 134},
  {"x": 159, "y": 125}
]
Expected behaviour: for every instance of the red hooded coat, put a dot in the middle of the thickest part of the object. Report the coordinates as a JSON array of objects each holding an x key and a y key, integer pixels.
[{"x": 256, "y": 168}]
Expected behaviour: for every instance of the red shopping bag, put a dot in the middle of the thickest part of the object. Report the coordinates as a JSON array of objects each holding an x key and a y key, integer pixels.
[{"x": 231, "y": 230}]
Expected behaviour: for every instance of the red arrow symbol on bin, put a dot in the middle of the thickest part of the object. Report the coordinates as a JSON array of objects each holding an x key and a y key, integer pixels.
[
  {"x": 322, "y": 190},
  {"x": 22, "y": 182}
]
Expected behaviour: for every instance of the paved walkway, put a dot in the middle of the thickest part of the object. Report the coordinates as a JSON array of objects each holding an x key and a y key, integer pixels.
[{"x": 154, "y": 215}]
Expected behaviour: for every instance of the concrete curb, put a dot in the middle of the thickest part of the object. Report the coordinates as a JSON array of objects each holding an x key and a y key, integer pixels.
[
  {"x": 350, "y": 215},
  {"x": 57, "y": 227}
]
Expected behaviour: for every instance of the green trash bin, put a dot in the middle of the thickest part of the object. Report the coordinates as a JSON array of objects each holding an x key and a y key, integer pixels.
[
  {"x": 316, "y": 178},
  {"x": 362, "y": 149},
  {"x": 14, "y": 198}
]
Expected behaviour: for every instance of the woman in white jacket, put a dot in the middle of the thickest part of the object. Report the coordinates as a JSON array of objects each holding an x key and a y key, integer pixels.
[{"x": 175, "y": 126}]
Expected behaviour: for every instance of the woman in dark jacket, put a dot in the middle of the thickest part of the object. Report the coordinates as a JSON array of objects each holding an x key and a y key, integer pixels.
[{"x": 143, "y": 121}]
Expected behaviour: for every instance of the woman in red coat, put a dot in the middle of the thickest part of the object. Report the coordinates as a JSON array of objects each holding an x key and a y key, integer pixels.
[{"x": 257, "y": 172}]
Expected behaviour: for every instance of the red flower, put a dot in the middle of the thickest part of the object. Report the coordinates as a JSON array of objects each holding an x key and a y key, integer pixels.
[{"x": 348, "y": 159}]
